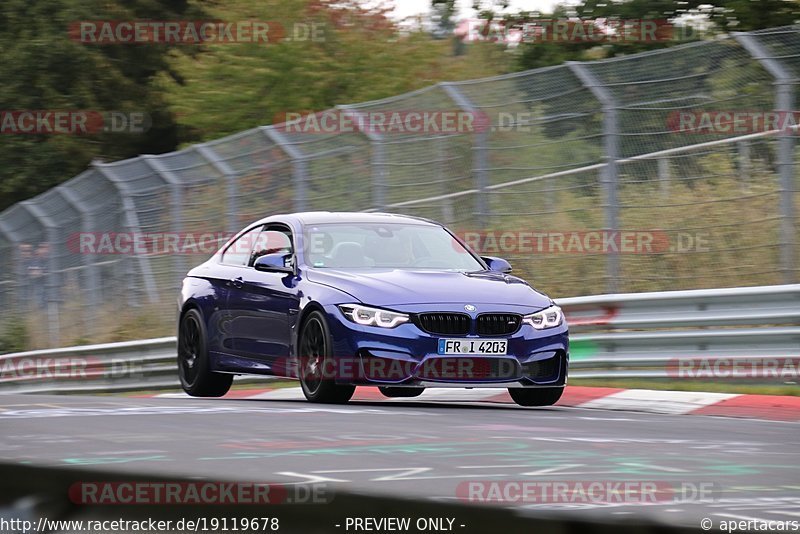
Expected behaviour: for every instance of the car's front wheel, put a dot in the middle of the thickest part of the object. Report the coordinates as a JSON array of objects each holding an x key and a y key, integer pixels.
[
  {"x": 197, "y": 378},
  {"x": 535, "y": 396},
  {"x": 315, "y": 353}
]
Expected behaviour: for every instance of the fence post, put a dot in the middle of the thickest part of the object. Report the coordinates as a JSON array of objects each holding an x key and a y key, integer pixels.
[
  {"x": 231, "y": 186},
  {"x": 52, "y": 284},
  {"x": 299, "y": 167},
  {"x": 447, "y": 204},
  {"x": 664, "y": 176},
  {"x": 176, "y": 201},
  {"x": 610, "y": 176},
  {"x": 20, "y": 287},
  {"x": 480, "y": 159},
  {"x": 743, "y": 150},
  {"x": 92, "y": 280},
  {"x": 784, "y": 103},
  {"x": 377, "y": 160},
  {"x": 132, "y": 223}
]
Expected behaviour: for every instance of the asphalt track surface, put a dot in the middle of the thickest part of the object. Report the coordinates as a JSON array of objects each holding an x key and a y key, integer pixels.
[{"x": 422, "y": 448}]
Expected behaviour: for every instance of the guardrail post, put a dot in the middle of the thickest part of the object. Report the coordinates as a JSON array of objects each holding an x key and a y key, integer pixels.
[
  {"x": 610, "y": 175},
  {"x": 784, "y": 103},
  {"x": 480, "y": 159},
  {"x": 231, "y": 186},
  {"x": 299, "y": 167}
]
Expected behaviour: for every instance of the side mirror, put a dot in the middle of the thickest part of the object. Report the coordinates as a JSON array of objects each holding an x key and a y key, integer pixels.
[
  {"x": 497, "y": 264},
  {"x": 274, "y": 263}
]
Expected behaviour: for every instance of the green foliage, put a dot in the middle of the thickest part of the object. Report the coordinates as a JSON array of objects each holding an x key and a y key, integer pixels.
[
  {"x": 15, "y": 337},
  {"x": 44, "y": 69},
  {"x": 722, "y": 16},
  {"x": 359, "y": 57},
  {"x": 726, "y": 15}
]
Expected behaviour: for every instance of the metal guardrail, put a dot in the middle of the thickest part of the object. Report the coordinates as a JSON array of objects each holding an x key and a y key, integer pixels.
[
  {"x": 637, "y": 335},
  {"x": 142, "y": 365},
  {"x": 687, "y": 334}
]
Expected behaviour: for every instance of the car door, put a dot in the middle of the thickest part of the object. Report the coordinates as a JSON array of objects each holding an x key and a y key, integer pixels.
[
  {"x": 263, "y": 305},
  {"x": 230, "y": 274}
]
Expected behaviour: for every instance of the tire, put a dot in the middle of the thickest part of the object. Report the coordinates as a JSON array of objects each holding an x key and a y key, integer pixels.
[
  {"x": 194, "y": 368},
  {"x": 536, "y": 396},
  {"x": 394, "y": 392},
  {"x": 315, "y": 350}
]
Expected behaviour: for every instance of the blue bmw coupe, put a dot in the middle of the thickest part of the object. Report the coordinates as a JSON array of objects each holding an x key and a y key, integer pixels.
[{"x": 338, "y": 300}]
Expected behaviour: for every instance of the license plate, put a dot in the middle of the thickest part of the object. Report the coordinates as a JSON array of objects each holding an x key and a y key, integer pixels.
[{"x": 473, "y": 346}]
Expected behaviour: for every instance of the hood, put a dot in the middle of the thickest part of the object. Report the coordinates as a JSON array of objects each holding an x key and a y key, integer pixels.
[{"x": 396, "y": 287}]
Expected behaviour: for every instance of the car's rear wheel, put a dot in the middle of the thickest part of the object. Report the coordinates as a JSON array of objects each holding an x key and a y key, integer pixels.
[
  {"x": 315, "y": 353},
  {"x": 535, "y": 396},
  {"x": 392, "y": 392},
  {"x": 197, "y": 378}
]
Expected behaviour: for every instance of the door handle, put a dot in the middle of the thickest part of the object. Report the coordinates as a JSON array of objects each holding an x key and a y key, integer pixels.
[{"x": 237, "y": 282}]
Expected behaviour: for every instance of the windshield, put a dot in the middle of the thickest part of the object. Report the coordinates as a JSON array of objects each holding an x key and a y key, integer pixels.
[{"x": 386, "y": 246}]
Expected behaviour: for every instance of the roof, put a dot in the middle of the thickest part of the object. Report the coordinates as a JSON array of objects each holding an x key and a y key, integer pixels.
[{"x": 329, "y": 217}]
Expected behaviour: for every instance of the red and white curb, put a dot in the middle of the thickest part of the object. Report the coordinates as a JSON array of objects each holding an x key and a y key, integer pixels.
[{"x": 769, "y": 407}]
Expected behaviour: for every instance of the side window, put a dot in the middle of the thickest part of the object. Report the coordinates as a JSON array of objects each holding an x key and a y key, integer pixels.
[
  {"x": 238, "y": 253},
  {"x": 273, "y": 240}
]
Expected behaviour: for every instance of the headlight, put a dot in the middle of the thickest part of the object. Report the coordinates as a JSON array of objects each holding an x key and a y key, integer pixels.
[
  {"x": 367, "y": 316},
  {"x": 547, "y": 318}
]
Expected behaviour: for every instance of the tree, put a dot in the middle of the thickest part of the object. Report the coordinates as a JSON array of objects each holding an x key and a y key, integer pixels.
[
  {"x": 722, "y": 15},
  {"x": 44, "y": 69},
  {"x": 359, "y": 55}
]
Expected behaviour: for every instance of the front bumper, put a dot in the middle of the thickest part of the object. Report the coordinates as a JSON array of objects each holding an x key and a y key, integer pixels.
[{"x": 408, "y": 356}]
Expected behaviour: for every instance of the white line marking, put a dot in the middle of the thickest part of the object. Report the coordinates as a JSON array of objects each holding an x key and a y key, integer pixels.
[
  {"x": 312, "y": 479},
  {"x": 669, "y": 402}
]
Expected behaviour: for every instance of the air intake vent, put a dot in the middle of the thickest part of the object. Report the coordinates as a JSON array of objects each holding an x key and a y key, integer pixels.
[
  {"x": 445, "y": 324},
  {"x": 498, "y": 324},
  {"x": 543, "y": 370}
]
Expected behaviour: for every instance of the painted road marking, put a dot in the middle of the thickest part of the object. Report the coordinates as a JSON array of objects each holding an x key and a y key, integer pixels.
[
  {"x": 310, "y": 479},
  {"x": 667, "y": 402},
  {"x": 405, "y": 473},
  {"x": 654, "y": 402},
  {"x": 179, "y": 409}
]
